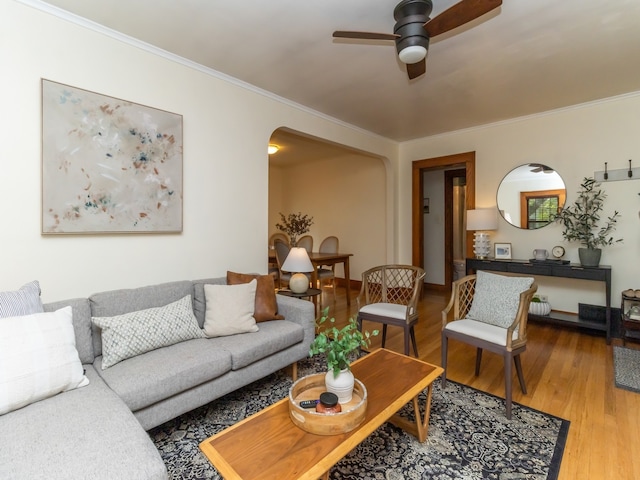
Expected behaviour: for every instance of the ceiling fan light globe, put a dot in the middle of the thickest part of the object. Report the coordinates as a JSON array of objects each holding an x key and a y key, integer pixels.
[{"x": 412, "y": 54}]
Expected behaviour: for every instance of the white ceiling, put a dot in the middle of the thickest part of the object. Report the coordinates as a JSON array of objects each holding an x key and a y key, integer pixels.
[{"x": 526, "y": 57}]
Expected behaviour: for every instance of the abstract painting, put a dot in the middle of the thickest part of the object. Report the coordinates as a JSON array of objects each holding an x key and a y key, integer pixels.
[{"x": 108, "y": 165}]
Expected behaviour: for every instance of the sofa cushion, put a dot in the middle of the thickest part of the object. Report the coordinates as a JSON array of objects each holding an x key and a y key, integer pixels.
[
  {"x": 130, "y": 334},
  {"x": 266, "y": 307},
  {"x": 230, "y": 309},
  {"x": 24, "y": 301},
  {"x": 248, "y": 348},
  {"x": 81, "y": 325},
  {"x": 38, "y": 358},
  {"x": 117, "y": 302},
  {"x": 86, "y": 433},
  {"x": 151, "y": 377},
  {"x": 497, "y": 298}
]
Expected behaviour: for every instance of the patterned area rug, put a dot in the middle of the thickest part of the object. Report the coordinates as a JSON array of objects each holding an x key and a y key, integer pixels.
[
  {"x": 626, "y": 363},
  {"x": 469, "y": 437}
]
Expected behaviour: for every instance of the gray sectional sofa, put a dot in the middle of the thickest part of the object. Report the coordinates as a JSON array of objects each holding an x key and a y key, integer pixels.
[{"x": 99, "y": 431}]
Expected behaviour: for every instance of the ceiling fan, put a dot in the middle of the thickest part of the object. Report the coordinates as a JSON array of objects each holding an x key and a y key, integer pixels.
[
  {"x": 539, "y": 167},
  {"x": 413, "y": 28}
]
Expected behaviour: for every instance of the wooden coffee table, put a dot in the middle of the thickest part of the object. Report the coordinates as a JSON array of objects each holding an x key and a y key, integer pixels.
[{"x": 268, "y": 445}]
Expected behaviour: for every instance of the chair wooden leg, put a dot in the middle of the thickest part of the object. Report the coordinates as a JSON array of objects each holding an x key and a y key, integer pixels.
[
  {"x": 412, "y": 332},
  {"x": 443, "y": 360},
  {"x": 507, "y": 383},
  {"x": 516, "y": 360},
  {"x": 478, "y": 360},
  {"x": 407, "y": 334},
  {"x": 384, "y": 334}
]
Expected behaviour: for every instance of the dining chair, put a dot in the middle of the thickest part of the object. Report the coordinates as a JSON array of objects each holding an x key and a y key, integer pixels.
[
  {"x": 282, "y": 250},
  {"x": 489, "y": 311},
  {"x": 278, "y": 236},
  {"x": 328, "y": 272},
  {"x": 306, "y": 242},
  {"x": 390, "y": 295}
]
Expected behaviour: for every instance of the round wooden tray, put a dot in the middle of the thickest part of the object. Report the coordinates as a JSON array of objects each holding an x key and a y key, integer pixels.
[{"x": 310, "y": 388}]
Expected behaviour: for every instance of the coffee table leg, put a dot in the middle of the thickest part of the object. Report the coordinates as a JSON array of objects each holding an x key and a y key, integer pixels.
[
  {"x": 325, "y": 476},
  {"x": 419, "y": 428}
]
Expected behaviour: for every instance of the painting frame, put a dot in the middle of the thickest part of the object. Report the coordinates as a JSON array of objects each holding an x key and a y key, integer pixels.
[
  {"x": 109, "y": 166},
  {"x": 502, "y": 251}
]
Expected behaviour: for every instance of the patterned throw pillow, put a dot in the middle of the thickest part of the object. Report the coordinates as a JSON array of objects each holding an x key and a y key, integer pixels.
[
  {"x": 497, "y": 298},
  {"x": 38, "y": 358},
  {"x": 24, "y": 301},
  {"x": 125, "y": 336}
]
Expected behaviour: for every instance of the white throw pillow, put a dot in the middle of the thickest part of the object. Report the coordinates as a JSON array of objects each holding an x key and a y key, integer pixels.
[
  {"x": 497, "y": 298},
  {"x": 38, "y": 358},
  {"x": 229, "y": 309},
  {"x": 130, "y": 334}
]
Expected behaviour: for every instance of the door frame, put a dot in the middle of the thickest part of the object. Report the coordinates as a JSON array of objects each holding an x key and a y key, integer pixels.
[{"x": 467, "y": 161}]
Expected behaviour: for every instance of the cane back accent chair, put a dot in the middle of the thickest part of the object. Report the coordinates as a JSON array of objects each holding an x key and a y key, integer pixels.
[
  {"x": 490, "y": 312},
  {"x": 390, "y": 295}
]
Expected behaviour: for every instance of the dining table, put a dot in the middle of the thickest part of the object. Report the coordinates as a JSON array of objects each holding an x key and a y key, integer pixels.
[{"x": 318, "y": 259}]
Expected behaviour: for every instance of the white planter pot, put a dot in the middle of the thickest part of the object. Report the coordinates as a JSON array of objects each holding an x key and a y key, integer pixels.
[
  {"x": 539, "y": 308},
  {"x": 342, "y": 385}
]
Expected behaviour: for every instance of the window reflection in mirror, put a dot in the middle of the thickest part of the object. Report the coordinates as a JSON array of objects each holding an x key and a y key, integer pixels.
[{"x": 530, "y": 194}]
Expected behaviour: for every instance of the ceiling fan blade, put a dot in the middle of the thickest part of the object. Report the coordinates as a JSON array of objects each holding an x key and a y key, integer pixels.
[
  {"x": 414, "y": 70},
  {"x": 365, "y": 35},
  {"x": 461, "y": 13}
]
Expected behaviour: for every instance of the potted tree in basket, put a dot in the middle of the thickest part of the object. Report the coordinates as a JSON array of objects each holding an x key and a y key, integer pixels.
[
  {"x": 581, "y": 223},
  {"x": 339, "y": 346},
  {"x": 294, "y": 225}
]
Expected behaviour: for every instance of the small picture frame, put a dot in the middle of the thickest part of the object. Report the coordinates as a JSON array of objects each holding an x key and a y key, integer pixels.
[{"x": 502, "y": 251}]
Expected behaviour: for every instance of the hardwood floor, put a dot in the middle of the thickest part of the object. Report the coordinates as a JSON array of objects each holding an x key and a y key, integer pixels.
[{"x": 568, "y": 373}]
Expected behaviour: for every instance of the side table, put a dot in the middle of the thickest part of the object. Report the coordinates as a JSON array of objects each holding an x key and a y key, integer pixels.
[
  {"x": 630, "y": 321},
  {"x": 311, "y": 294}
]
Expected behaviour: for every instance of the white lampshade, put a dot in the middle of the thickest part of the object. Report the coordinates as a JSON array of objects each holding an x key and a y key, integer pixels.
[
  {"x": 297, "y": 261},
  {"x": 481, "y": 220}
]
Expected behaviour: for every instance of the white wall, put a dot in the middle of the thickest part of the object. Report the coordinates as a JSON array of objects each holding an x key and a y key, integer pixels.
[
  {"x": 576, "y": 142},
  {"x": 226, "y": 130},
  {"x": 346, "y": 196}
]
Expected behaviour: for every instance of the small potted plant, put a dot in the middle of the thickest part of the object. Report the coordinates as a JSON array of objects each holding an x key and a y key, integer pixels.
[
  {"x": 294, "y": 225},
  {"x": 582, "y": 223},
  {"x": 339, "y": 346}
]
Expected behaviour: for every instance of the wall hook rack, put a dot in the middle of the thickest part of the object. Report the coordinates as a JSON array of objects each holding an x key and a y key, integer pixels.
[{"x": 616, "y": 175}]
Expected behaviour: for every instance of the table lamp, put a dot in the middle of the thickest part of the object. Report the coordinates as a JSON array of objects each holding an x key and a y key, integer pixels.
[
  {"x": 481, "y": 220},
  {"x": 298, "y": 261}
]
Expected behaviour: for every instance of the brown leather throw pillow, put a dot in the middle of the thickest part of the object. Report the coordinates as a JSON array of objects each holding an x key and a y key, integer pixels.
[{"x": 266, "y": 307}]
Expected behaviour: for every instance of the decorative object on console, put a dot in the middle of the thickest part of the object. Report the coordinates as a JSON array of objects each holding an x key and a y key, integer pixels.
[
  {"x": 298, "y": 262},
  {"x": 538, "y": 306},
  {"x": 339, "y": 345},
  {"x": 558, "y": 251},
  {"x": 581, "y": 223},
  {"x": 482, "y": 220},
  {"x": 540, "y": 254},
  {"x": 502, "y": 251},
  {"x": 294, "y": 225},
  {"x": 128, "y": 177}
]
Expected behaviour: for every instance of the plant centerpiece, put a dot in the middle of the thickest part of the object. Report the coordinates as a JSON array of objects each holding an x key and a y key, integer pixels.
[
  {"x": 582, "y": 219},
  {"x": 294, "y": 225},
  {"x": 339, "y": 346}
]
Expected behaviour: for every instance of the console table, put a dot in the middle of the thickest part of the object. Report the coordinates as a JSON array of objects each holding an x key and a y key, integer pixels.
[{"x": 551, "y": 269}]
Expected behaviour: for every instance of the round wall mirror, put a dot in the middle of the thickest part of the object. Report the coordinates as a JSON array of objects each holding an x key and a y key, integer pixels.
[{"x": 530, "y": 194}]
